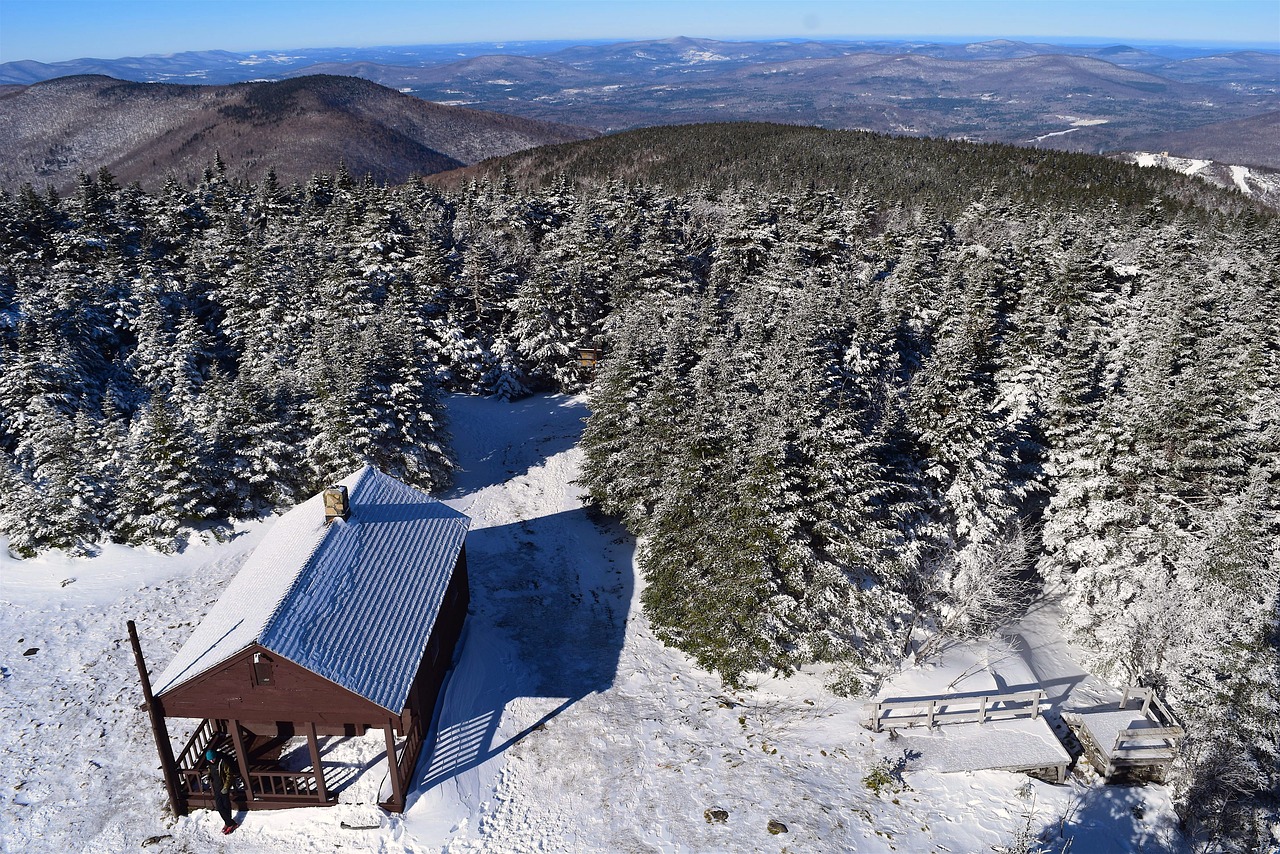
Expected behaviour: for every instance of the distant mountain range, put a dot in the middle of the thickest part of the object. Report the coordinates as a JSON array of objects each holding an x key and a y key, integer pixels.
[
  {"x": 54, "y": 130},
  {"x": 220, "y": 66},
  {"x": 1094, "y": 98}
]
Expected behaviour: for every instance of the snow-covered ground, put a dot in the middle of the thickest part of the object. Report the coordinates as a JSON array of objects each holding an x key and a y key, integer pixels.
[
  {"x": 1261, "y": 184},
  {"x": 565, "y": 726}
]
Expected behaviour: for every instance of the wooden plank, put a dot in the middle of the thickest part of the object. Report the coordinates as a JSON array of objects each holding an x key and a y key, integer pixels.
[
  {"x": 921, "y": 702},
  {"x": 1152, "y": 732},
  {"x": 393, "y": 767},
  {"x": 936, "y": 711},
  {"x": 322, "y": 792},
  {"x": 242, "y": 759},
  {"x": 155, "y": 711}
]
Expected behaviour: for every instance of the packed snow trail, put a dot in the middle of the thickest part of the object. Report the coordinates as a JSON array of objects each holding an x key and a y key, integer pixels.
[{"x": 565, "y": 726}]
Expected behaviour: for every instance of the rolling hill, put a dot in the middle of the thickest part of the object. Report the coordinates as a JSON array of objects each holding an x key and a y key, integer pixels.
[
  {"x": 946, "y": 174},
  {"x": 145, "y": 132}
]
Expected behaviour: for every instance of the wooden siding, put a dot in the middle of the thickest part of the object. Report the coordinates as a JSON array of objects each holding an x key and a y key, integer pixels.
[{"x": 229, "y": 691}]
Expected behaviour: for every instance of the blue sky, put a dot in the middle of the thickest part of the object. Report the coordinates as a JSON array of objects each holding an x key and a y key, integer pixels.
[{"x": 51, "y": 30}]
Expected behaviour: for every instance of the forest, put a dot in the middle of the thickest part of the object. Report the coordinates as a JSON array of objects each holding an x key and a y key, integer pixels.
[{"x": 844, "y": 427}]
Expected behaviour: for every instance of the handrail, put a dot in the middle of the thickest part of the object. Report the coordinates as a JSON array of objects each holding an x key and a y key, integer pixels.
[
  {"x": 190, "y": 755},
  {"x": 938, "y": 710},
  {"x": 266, "y": 784}
]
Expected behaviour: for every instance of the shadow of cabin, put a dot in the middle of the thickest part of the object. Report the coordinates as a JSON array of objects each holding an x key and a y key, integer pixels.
[
  {"x": 344, "y": 619},
  {"x": 562, "y": 604}
]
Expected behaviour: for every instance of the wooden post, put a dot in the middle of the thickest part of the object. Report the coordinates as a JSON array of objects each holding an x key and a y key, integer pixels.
[
  {"x": 982, "y": 711},
  {"x": 321, "y": 791},
  {"x": 1035, "y": 704},
  {"x": 1125, "y": 700},
  {"x": 242, "y": 760},
  {"x": 161, "y": 732},
  {"x": 393, "y": 767},
  {"x": 933, "y": 705},
  {"x": 1146, "y": 701}
]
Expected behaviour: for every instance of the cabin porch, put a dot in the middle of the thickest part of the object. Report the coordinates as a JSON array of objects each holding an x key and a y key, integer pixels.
[{"x": 286, "y": 764}]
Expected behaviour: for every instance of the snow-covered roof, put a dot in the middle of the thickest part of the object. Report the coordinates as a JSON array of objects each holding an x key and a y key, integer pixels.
[{"x": 353, "y": 601}]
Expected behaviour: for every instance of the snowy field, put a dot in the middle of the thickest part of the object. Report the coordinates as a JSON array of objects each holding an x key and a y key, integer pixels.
[{"x": 565, "y": 726}]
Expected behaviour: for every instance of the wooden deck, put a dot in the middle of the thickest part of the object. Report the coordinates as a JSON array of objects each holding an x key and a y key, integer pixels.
[
  {"x": 1011, "y": 733},
  {"x": 1135, "y": 739},
  {"x": 268, "y": 785}
]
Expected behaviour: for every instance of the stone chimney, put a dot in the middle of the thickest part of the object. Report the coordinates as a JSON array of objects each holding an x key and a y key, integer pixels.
[{"x": 336, "y": 505}]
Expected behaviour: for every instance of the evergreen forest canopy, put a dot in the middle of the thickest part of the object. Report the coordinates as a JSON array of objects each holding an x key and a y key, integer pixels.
[
  {"x": 946, "y": 175},
  {"x": 839, "y": 423}
]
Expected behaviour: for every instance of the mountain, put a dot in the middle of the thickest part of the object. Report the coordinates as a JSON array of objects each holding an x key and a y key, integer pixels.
[
  {"x": 221, "y": 66},
  {"x": 143, "y": 132},
  {"x": 495, "y": 77},
  {"x": 1094, "y": 98},
  {"x": 1253, "y": 70},
  {"x": 1247, "y": 142},
  {"x": 1000, "y": 91},
  {"x": 947, "y": 175}
]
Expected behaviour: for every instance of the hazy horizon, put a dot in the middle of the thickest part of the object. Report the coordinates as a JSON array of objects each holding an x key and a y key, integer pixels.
[{"x": 61, "y": 30}]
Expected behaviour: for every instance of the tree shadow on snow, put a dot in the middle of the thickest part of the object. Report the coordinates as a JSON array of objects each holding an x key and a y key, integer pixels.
[
  {"x": 1113, "y": 818},
  {"x": 550, "y": 598},
  {"x": 499, "y": 444}
]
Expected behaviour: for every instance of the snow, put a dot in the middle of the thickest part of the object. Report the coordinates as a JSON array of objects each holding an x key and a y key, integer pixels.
[
  {"x": 1045, "y": 136},
  {"x": 1077, "y": 121},
  {"x": 1238, "y": 175},
  {"x": 565, "y": 726},
  {"x": 1020, "y": 743},
  {"x": 1185, "y": 165},
  {"x": 254, "y": 595}
]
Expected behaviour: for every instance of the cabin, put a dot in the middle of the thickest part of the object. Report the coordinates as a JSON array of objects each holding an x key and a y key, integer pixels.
[
  {"x": 343, "y": 620},
  {"x": 589, "y": 359}
]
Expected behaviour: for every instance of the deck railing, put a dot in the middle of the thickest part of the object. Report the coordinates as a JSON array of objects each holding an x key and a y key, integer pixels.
[
  {"x": 935, "y": 711},
  {"x": 1153, "y": 708},
  {"x": 268, "y": 786},
  {"x": 189, "y": 758},
  {"x": 275, "y": 785}
]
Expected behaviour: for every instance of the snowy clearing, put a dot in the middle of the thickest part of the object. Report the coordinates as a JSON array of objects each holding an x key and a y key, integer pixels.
[
  {"x": 566, "y": 726},
  {"x": 1238, "y": 175},
  {"x": 1185, "y": 165}
]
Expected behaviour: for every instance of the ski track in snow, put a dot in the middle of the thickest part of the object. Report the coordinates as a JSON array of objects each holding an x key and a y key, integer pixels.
[{"x": 565, "y": 726}]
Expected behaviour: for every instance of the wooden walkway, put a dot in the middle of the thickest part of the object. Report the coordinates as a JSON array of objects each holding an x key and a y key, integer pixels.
[
  {"x": 1011, "y": 733},
  {"x": 1136, "y": 739}
]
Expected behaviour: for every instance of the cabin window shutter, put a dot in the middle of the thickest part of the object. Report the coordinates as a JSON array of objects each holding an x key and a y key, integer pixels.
[{"x": 261, "y": 669}]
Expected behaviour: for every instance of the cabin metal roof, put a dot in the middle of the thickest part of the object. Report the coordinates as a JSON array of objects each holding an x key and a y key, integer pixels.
[{"x": 353, "y": 600}]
